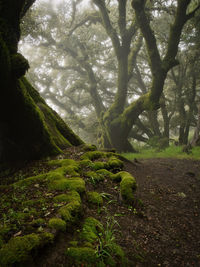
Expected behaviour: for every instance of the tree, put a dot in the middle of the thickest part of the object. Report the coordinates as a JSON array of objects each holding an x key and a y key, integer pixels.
[
  {"x": 30, "y": 129},
  {"x": 118, "y": 116},
  {"x": 118, "y": 119}
]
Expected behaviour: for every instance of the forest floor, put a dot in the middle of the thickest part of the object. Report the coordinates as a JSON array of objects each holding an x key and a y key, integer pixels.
[
  {"x": 160, "y": 229},
  {"x": 168, "y": 234}
]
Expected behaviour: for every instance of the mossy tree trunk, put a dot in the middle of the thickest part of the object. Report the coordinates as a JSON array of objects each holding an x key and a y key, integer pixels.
[
  {"x": 29, "y": 129},
  {"x": 118, "y": 120},
  {"x": 196, "y": 137},
  {"x": 185, "y": 116}
]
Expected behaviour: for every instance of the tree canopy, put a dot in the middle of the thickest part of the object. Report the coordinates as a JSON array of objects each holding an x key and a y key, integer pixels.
[{"x": 105, "y": 79}]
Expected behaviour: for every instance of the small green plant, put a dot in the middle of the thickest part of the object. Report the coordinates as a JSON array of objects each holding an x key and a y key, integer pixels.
[
  {"x": 107, "y": 249},
  {"x": 93, "y": 181},
  {"x": 106, "y": 196}
]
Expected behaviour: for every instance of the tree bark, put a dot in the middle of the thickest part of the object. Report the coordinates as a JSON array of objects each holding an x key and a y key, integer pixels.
[
  {"x": 29, "y": 129},
  {"x": 196, "y": 137}
]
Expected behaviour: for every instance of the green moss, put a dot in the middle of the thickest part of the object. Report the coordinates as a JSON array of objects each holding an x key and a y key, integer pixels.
[
  {"x": 119, "y": 251},
  {"x": 18, "y": 249},
  {"x": 116, "y": 177},
  {"x": 72, "y": 171},
  {"x": 32, "y": 92},
  {"x": 70, "y": 212},
  {"x": 74, "y": 183},
  {"x": 33, "y": 202},
  {"x": 94, "y": 198},
  {"x": 105, "y": 173},
  {"x": 127, "y": 186},
  {"x": 68, "y": 166},
  {"x": 92, "y": 155},
  {"x": 4, "y": 230},
  {"x": 90, "y": 230},
  {"x": 38, "y": 222},
  {"x": 57, "y": 224},
  {"x": 86, "y": 163},
  {"x": 97, "y": 165},
  {"x": 57, "y": 174},
  {"x": 19, "y": 65},
  {"x": 51, "y": 122},
  {"x": 69, "y": 197},
  {"x": 81, "y": 255},
  {"x": 94, "y": 176},
  {"x": 73, "y": 243},
  {"x": 66, "y": 132},
  {"x": 88, "y": 147},
  {"x": 63, "y": 163},
  {"x": 46, "y": 238},
  {"x": 115, "y": 163},
  {"x": 21, "y": 216},
  {"x": 29, "y": 181},
  {"x": 37, "y": 132}
]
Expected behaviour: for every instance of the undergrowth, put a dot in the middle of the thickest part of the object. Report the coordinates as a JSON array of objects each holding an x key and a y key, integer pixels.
[{"x": 170, "y": 152}]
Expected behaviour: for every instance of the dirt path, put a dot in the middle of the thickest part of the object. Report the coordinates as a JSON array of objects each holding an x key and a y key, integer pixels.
[{"x": 168, "y": 233}]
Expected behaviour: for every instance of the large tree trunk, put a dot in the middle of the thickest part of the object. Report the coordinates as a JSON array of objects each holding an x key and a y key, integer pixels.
[{"x": 29, "y": 129}]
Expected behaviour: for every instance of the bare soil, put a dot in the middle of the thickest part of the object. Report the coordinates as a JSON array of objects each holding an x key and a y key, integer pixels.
[{"x": 168, "y": 234}]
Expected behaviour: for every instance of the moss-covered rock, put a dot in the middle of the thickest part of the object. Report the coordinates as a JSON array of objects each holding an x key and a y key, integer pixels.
[
  {"x": 127, "y": 186},
  {"x": 69, "y": 197},
  {"x": 74, "y": 183},
  {"x": 94, "y": 198},
  {"x": 18, "y": 249},
  {"x": 94, "y": 177},
  {"x": 116, "y": 177},
  {"x": 68, "y": 166},
  {"x": 97, "y": 165},
  {"x": 72, "y": 171},
  {"x": 115, "y": 163},
  {"x": 91, "y": 229},
  {"x": 57, "y": 224},
  {"x": 81, "y": 255},
  {"x": 92, "y": 235},
  {"x": 92, "y": 155},
  {"x": 86, "y": 163},
  {"x": 104, "y": 173},
  {"x": 63, "y": 162},
  {"x": 88, "y": 147},
  {"x": 70, "y": 212}
]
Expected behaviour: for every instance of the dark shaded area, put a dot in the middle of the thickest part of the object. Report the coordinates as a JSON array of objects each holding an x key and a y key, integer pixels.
[{"x": 29, "y": 129}]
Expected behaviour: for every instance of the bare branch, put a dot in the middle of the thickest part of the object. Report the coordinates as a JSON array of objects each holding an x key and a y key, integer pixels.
[
  {"x": 91, "y": 18},
  {"x": 107, "y": 24}
]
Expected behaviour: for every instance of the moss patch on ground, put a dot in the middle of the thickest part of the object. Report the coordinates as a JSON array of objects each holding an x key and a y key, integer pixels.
[
  {"x": 94, "y": 198},
  {"x": 96, "y": 244},
  {"x": 37, "y": 208},
  {"x": 18, "y": 249}
]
